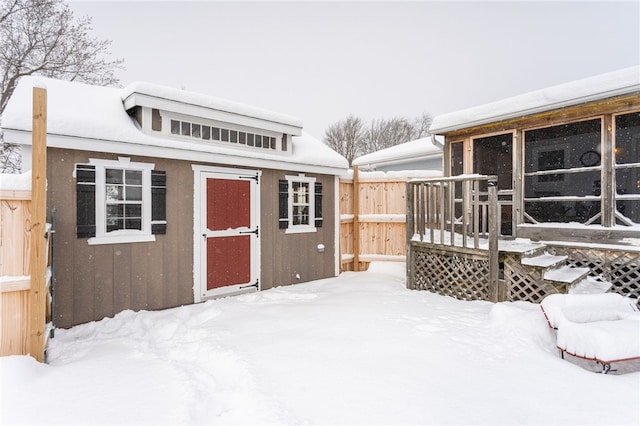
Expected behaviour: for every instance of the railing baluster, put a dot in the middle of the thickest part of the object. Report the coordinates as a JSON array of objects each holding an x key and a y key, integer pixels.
[{"x": 476, "y": 205}]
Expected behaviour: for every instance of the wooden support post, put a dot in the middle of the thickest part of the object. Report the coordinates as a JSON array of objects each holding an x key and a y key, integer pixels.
[
  {"x": 38, "y": 261},
  {"x": 494, "y": 220},
  {"x": 356, "y": 220},
  {"x": 410, "y": 279}
]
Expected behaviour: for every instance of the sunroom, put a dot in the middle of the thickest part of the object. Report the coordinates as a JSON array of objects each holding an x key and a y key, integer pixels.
[{"x": 563, "y": 165}]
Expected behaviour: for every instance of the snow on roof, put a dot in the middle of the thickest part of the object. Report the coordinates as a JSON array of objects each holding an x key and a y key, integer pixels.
[
  {"x": 411, "y": 150},
  {"x": 616, "y": 83},
  {"x": 206, "y": 101},
  {"x": 93, "y": 118}
]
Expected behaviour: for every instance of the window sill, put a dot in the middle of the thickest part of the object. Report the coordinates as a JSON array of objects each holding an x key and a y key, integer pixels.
[
  {"x": 300, "y": 230},
  {"x": 121, "y": 239}
]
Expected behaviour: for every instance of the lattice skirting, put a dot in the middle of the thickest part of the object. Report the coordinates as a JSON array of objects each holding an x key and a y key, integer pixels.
[
  {"x": 450, "y": 274},
  {"x": 525, "y": 283},
  {"x": 619, "y": 267}
]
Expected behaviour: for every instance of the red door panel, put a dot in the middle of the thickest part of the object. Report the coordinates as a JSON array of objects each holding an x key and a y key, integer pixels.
[
  {"x": 228, "y": 204},
  {"x": 228, "y": 261}
]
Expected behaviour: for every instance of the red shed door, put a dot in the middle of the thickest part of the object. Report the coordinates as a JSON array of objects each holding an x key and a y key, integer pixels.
[{"x": 230, "y": 233}]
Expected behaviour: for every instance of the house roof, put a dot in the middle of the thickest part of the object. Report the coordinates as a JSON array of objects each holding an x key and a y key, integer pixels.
[
  {"x": 408, "y": 151},
  {"x": 94, "y": 118},
  {"x": 616, "y": 83},
  {"x": 177, "y": 100}
]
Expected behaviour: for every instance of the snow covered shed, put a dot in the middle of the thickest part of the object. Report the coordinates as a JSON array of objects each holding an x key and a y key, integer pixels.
[
  {"x": 419, "y": 154},
  {"x": 164, "y": 197},
  {"x": 565, "y": 163}
]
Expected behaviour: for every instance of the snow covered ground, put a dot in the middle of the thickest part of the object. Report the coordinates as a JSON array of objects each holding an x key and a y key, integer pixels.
[{"x": 359, "y": 348}]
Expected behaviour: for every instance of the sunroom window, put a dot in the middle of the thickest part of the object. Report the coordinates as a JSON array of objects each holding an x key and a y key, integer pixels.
[
  {"x": 627, "y": 168},
  {"x": 562, "y": 179}
]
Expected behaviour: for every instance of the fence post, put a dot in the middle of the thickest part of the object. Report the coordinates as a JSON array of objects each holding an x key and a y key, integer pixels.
[
  {"x": 356, "y": 221},
  {"x": 37, "y": 262},
  {"x": 494, "y": 220}
]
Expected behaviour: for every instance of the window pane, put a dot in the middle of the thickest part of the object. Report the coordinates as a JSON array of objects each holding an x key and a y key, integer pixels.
[
  {"x": 114, "y": 175},
  {"x": 627, "y": 152},
  {"x": 133, "y": 177},
  {"x": 266, "y": 142},
  {"x": 175, "y": 127},
  {"x": 215, "y": 133},
  {"x": 195, "y": 130},
  {"x": 273, "y": 143},
  {"x": 628, "y": 138},
  {"x": 233, "y": 136},
  {"x": 114, "y": 193},
  {"x": 133, "y": 211},
  {"x": 242, "y": 138},
  {"x": 114, "y": 217},
  {"x": 300, "y": 192},
  {"x": 300, "y": 215},
  {"x": 206, "y": 132},
  {"x": 134, "y": 193},
  {"x": 457, "y": 158},
  {"x": 258, "y": 141},
  {"x": 543, "y": 147},
  {"x": 186, "y": 128},
  {"x": 224, "y": 135},
  {"x": 250, "y": 139},
  {"x": 554, "y": 157},
  {"x": 133, "y": 224}
]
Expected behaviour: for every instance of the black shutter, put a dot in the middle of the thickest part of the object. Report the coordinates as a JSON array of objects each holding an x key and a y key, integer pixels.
[
  {"x": 85, "y": 201},
  {"x": 158, "y": 202},
  {"x": 283, "y": 204},
  {"x": 318, "y": 205}
]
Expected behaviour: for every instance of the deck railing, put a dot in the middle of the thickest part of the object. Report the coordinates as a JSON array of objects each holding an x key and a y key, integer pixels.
[{"x": 460, "y": 213}]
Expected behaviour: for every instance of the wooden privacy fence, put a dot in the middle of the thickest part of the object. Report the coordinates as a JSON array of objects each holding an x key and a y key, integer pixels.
[
  {"x": 24, "y": 281},
  {"x": 373, "y": 217},
  {"x": 15, "y": 273}
]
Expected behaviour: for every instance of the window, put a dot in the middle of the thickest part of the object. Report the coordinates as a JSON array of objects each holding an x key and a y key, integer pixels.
[
  {"x": 123, "y": 191},
  {"x": 627, "y": 168},
  {"x": 156, "y": 120},
  {"x": 300, "y": 204},
  {"x": 563, "y": 173},
  {"x": 119, "y": 201},
  {"x": 221, "y": 134}
]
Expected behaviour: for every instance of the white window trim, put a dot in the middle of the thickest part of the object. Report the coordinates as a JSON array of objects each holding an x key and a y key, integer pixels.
[
  {"x": 121, "y": 236},
  {"x": 299, "y": 229}
]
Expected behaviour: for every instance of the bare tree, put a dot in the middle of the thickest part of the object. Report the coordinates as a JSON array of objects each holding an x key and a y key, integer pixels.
[
  {"x": 42, "y": 37},
  {"x": 346, "y": 137},
  {"x": 352, "y": 138}
]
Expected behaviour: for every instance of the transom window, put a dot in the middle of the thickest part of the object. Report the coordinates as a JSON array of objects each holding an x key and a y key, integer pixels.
[{"x": 221, "y": 134}]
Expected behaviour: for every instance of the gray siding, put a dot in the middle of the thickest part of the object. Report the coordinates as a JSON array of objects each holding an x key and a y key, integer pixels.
[
  {"x": 101, "y": 280},
  {"x": 286, "y": 255},
  {"x": 93, "y": 282}
]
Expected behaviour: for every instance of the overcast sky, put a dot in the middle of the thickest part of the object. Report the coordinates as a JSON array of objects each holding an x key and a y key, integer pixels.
[{"x": 321, "y": 61}]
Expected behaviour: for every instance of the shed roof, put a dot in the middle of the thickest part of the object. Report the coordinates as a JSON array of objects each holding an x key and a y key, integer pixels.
[
  {"x": 94, "y": 118},
  {"x": 409, "y": 151},
  {"x": 616, "y": 83}
]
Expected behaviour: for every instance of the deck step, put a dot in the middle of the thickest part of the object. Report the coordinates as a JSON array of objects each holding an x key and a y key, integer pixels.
[
  {"x": 590, "y": 285},
  {"x": 566, "y": 274},
  {"x": 544, "y": 260}
]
